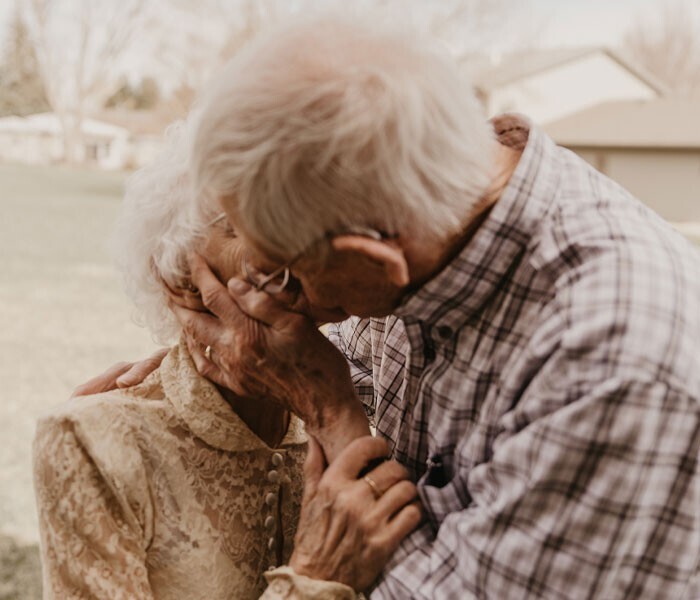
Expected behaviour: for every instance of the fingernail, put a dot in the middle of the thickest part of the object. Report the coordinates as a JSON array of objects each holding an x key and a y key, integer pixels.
[{"x": 238, "y": 285}]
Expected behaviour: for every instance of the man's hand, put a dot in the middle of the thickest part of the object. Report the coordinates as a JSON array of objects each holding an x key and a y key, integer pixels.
[
  {"x": 121, "y": 375},
  {"x": 349, "y": 528},
  {"x": 260, "y": 347}
]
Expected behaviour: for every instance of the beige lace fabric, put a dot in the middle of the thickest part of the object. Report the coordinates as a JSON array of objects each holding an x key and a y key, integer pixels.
[{"x": 162, "y": 491}]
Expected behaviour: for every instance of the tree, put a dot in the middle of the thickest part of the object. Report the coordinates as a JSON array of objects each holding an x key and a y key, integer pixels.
[
  {"x": 79, "y": 45},
  {"x": 465, "y": 26},
  {"x": 21, "y": 88},
  {"x": 668, "y": 46},
  {"x": 143, "y": 96}
]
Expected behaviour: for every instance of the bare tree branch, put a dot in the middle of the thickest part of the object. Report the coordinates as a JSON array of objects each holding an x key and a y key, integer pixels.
[{"x": 668, "y": 46}]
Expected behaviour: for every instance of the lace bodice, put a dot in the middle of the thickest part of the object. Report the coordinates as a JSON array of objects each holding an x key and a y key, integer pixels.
[{"x": 161, "y": 491}]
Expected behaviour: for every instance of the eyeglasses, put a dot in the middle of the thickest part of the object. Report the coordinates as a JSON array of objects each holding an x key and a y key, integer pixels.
[{"x": 278, "y": 280}]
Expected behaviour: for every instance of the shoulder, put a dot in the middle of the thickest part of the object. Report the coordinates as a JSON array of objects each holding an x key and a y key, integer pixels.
[
  {"x": 625, "y": 285},
  {"x": 102, "y": 439}
]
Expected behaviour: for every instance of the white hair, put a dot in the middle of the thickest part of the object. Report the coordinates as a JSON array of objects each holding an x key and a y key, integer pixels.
[
  {"x": 158, "y": 225},
  {"x": 326, "y": 124}
]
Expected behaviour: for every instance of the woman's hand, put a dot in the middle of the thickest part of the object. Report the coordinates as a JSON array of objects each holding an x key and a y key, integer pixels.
[
  {"x": 350, "y": 527},
  {"x": 121, "y": 375},
  {"x": 260, "y": 347}
]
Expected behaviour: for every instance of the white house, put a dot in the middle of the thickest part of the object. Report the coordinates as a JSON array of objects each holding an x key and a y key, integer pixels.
[
  {"x": 38, "y": 139},
  {"x": 548, "y": 84},
  {"x": 651, "y": 147}
]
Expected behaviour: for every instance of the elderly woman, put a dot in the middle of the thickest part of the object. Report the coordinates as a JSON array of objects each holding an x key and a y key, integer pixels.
[{"x": 174, "y": 488}]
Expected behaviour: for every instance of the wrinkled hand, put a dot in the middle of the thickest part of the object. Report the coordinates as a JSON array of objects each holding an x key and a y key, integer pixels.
[
  {"x": 345, "y": 534},
  {"x": 121, "y": 375},
  {"x": 260, "y": 347}
]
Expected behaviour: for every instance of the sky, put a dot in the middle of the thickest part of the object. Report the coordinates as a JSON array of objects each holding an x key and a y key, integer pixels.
[
  {"x": 590, "y": 22},
  {"x": 558, "y": 22},
  {"x": 569, "y": 22}
]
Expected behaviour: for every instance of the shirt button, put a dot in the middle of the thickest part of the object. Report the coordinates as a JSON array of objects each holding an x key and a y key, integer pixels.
[
  {"x": 270, "y": 499},
  {"x": 445, "y": 332},
  {"x": 269, "y": 523},
  {"x": 271, "y": 543},
  {"x": 273, "y": 476},
  {"x": 277, "y": 459}
]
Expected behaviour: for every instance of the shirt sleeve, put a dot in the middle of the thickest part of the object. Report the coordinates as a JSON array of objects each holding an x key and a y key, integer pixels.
[
  {"x": 353, "y": 338},
  {"x": 91, "y": 546},
  {"x": 592, "y": 486}
]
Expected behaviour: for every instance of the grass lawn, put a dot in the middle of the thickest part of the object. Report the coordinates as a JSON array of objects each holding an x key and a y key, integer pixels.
[{"x": 63, "y": 316}]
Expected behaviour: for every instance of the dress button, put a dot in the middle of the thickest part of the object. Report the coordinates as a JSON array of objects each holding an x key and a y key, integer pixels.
[
  {"x": 273, "y": 476},
  {"x": 271, "y": 543},
  {"x": 270, "y": 499},
  {"x": 277, "y": 459},
  {"x": 269, "y": 523}
]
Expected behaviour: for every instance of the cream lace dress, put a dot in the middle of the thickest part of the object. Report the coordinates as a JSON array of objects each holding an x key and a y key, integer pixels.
[{"x": 162, "y": 491}]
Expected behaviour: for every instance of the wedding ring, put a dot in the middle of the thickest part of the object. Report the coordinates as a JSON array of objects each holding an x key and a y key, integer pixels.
[
  {"x": 372, "y": 486},
  {"x": 207, "y": 353}
]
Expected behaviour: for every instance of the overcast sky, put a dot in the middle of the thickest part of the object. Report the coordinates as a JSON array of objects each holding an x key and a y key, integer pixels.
[{"x": 559, "y": 22}]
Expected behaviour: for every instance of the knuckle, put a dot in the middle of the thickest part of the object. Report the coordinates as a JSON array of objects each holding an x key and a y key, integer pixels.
[
  {"x": 212, "y": 297},
  {"x": 396, "y": 470},
  {"x": 343, "y": 501}
]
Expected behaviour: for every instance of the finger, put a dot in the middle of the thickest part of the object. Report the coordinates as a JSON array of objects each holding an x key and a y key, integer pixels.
[
  {"x": 214, "y": 295},
  {"x": 385, "y": 476},
  {"x": 407, "y": 519},
  {"x": 260, "y": 306},
  {"x": 102, "y": 383},
  {"x": 200, "y": 327},
  {"x": 142, "y": 369},
  {"x": 183, "y": 297},
  {"x": 356, "y": 455},
  {"x": 393, "y": 500}
]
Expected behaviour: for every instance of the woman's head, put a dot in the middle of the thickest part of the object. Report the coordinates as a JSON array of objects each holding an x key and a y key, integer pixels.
[{"x": 159, "y": 225}]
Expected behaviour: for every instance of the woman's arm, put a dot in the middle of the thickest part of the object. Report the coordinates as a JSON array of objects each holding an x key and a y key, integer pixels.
[{"x": 91, "y": 546}]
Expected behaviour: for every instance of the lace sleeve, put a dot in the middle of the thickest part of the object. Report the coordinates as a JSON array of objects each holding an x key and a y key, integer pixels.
[{"x": 90, "y": 547}]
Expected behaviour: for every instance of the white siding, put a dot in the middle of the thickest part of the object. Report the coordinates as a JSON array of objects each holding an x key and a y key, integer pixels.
[{"x": 666, "y": 180}]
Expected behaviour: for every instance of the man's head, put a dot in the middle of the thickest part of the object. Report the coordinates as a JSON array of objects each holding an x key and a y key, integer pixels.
[{"x": 326, "y": 125}]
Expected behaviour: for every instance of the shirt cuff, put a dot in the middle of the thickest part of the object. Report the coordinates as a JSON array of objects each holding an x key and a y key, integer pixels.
[{"x": 285, "y": 584}]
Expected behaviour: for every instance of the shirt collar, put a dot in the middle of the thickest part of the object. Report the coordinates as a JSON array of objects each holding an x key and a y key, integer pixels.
[
  {"x": 198, "y": 402},
  {"x": 463, "y": 287}
]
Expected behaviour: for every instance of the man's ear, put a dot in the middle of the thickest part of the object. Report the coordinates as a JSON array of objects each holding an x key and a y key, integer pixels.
[{"x": 388, "y": 254}]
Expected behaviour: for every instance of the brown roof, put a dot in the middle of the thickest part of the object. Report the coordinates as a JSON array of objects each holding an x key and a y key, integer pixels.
[
  {"x": 656, "y": 123},
  {"x": 520, "y": 65}
]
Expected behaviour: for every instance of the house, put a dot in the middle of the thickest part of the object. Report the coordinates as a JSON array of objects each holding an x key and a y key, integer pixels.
[
  {"x": 651, "y": 147},
  {"x": 38, "y": 139},
  {"x": 548, "y": 84}
]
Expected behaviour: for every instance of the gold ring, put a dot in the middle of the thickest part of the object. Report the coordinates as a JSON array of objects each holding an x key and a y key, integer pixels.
[
  {"x": 207, "y": 353},
  {"x": 372, "y": 486}
]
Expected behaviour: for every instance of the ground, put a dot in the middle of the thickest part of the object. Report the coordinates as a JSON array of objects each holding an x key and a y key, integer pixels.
[{"x": 63, "y": 318}]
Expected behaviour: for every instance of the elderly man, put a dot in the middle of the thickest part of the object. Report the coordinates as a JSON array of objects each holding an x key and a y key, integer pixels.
[{"x": 525, "y": 333}]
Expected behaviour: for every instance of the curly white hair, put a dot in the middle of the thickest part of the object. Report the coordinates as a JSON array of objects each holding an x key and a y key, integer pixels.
[{"x": 159, "y": 223}]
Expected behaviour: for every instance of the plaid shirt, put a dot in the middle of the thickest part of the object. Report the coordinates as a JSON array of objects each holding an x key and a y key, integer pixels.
[{"x": 543, "y": 390}]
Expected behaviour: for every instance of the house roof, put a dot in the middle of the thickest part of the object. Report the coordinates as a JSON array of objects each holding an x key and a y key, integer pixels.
[
  {"x": 489, "y": 75},
  {"x": 655, "y": 123}
]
